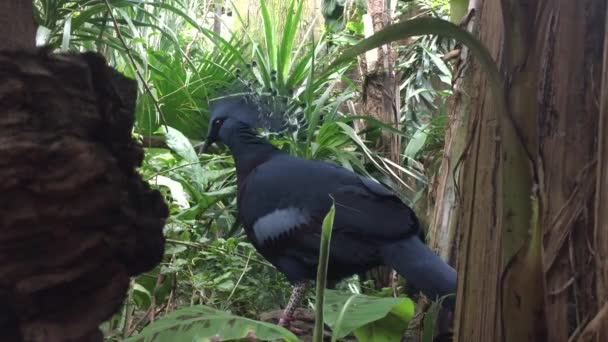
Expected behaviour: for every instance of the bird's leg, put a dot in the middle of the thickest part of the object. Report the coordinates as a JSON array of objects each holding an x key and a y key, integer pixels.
[{"x": 297, "y": 294}]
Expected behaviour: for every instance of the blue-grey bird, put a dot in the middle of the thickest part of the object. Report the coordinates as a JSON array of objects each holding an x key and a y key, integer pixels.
[{"x": 282, "y": 200}]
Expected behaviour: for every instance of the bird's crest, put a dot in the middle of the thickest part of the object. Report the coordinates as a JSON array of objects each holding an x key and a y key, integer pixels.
[
  {"x": 246, "y": 100},
  {"x": 256, "y": 110}
]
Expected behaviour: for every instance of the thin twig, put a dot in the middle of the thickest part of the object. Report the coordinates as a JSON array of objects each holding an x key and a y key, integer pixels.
[
  {"x": 177, "y": 168},
  {"x": 240, "y": 278},
  {"x": 141, "y": 77},
  {"x": 159, "y": 281},
  {"x": 139, "y": 321},
  {"x": 127, "y": 312}
]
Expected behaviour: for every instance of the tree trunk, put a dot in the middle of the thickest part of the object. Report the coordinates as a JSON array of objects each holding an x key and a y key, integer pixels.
[
  {"x": 380, "y": 83},
  {"x": 380, "y": 102},
  {"x": 217, "y": 18},
  {"x": 17, "y": 23},
  {"x": 77, "y": 220},
  {"x": 532, "y": 233},
  {"x": 444, "y": 202},
  {"x": 598, "y": 327}
]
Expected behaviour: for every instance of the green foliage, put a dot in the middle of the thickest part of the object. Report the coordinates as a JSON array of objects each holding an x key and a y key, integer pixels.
[
  {"x": 334, "y": 13},
  {"x": 201, "y": 323},
  {"x": 369, "y": 318},
  {"x": 174, "y": 81},
  {"x": 180, "y": 64},
  {"x": 284, "y": 74},
  {"x": 280, "y": 65},
  {"x": 424, "y": 26}
]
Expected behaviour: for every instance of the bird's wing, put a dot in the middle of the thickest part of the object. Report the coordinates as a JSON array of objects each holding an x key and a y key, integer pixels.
[
  {"x": 371, "y": 211},
  {"x": 289, "y": 195}
]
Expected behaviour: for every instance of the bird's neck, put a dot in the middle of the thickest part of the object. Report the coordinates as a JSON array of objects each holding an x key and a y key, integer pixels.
[{"x": 249, "y": 150}]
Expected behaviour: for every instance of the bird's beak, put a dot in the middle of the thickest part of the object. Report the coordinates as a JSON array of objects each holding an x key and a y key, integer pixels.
[
  {"x": 212, "y": 137},
  {"x": 205, "y": 146}
]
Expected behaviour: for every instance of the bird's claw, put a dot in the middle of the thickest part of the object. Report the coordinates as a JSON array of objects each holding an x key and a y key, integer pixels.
[{"x": 285, "y": 320}]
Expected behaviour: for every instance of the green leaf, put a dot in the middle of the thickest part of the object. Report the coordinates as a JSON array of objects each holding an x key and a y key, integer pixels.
[
  {"x": 67, "y": 29},
  {"x": 226, "y": 286},
  {"x": 370, "y": 318},
  {"x": 141, "y": 295},
  {"x": 416, "y": 143},
  {"x": 328, "y": 224},
  {"x": 138, "y": 288},
  {"x": 271, "y": 46},
  {"x": 175, "y": 249},
  {"x": 285, "y": 48},
  {"x": 429, "y": 322},
  {"x": 202, "y": 323},
  {"x": 439, "y": 63},
  {"x": 191, "y": 213},
  {"x": 176, "y": 188},
  {"x": 180, "y": 144}
]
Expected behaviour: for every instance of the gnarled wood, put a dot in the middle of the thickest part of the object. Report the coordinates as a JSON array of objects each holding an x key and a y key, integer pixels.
[
  {"x": 76, "y": 219},
  {"x": 17, "y": 23}
]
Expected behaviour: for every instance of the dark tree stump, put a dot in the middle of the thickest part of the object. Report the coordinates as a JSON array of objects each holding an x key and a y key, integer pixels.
[{"x": 76, "y": 219}]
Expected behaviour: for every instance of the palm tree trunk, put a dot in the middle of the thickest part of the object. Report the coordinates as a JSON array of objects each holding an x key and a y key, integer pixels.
[
  {"x": 380, "y": 85},
  {"x": 380, "y": 101},
  {"x": 529, "y": 227}
]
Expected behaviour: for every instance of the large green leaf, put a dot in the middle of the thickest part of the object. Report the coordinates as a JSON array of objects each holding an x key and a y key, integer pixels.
[
  {"x": 180, "y": 144},
  {"x": 369, "y": 318},
  {"x": 202, "y": 323}
]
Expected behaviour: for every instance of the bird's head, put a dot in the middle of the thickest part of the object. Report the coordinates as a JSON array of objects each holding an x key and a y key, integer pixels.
[{"x": 227, "y": 114}]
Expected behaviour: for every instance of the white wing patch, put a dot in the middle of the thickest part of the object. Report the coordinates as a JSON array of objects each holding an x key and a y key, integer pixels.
[{"x": 278, "y": 222}]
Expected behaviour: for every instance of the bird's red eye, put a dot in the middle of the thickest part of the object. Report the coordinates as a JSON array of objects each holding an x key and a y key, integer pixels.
[{"x": 218, "y": 122}]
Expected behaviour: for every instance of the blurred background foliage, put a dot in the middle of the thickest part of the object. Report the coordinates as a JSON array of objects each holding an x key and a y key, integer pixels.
[{"x": 183, "y": 53}]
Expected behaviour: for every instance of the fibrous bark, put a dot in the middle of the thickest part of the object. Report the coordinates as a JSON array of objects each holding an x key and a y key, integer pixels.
[
  {"x": 76, "y": 219},
  {"x": 380, "y": 87},
  {"x": 600, "y": 232},
  {"x": 528, "y": 275},
  {"x": 380, "y": 102},
  {"x": 445, "y": 189}
]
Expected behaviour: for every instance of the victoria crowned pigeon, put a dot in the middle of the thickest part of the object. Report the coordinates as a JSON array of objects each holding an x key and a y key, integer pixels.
[{"x": 282, "y": 200}]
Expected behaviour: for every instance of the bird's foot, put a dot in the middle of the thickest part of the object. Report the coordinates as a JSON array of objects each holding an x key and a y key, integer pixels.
[{"x": 286, "y": 319}]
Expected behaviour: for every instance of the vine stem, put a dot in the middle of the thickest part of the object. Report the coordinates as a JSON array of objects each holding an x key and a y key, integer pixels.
[{"x": 134, "y": 64}]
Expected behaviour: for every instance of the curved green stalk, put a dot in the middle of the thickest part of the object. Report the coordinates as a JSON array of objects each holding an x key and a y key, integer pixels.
[
  {"x": 424, "y": 26},
  {"x": 338, "y": 325},
  {"x": 328, "y": 223}
]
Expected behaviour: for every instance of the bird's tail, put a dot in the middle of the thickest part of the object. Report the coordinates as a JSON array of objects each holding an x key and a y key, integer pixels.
[{"x": 425, "y": 270}]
